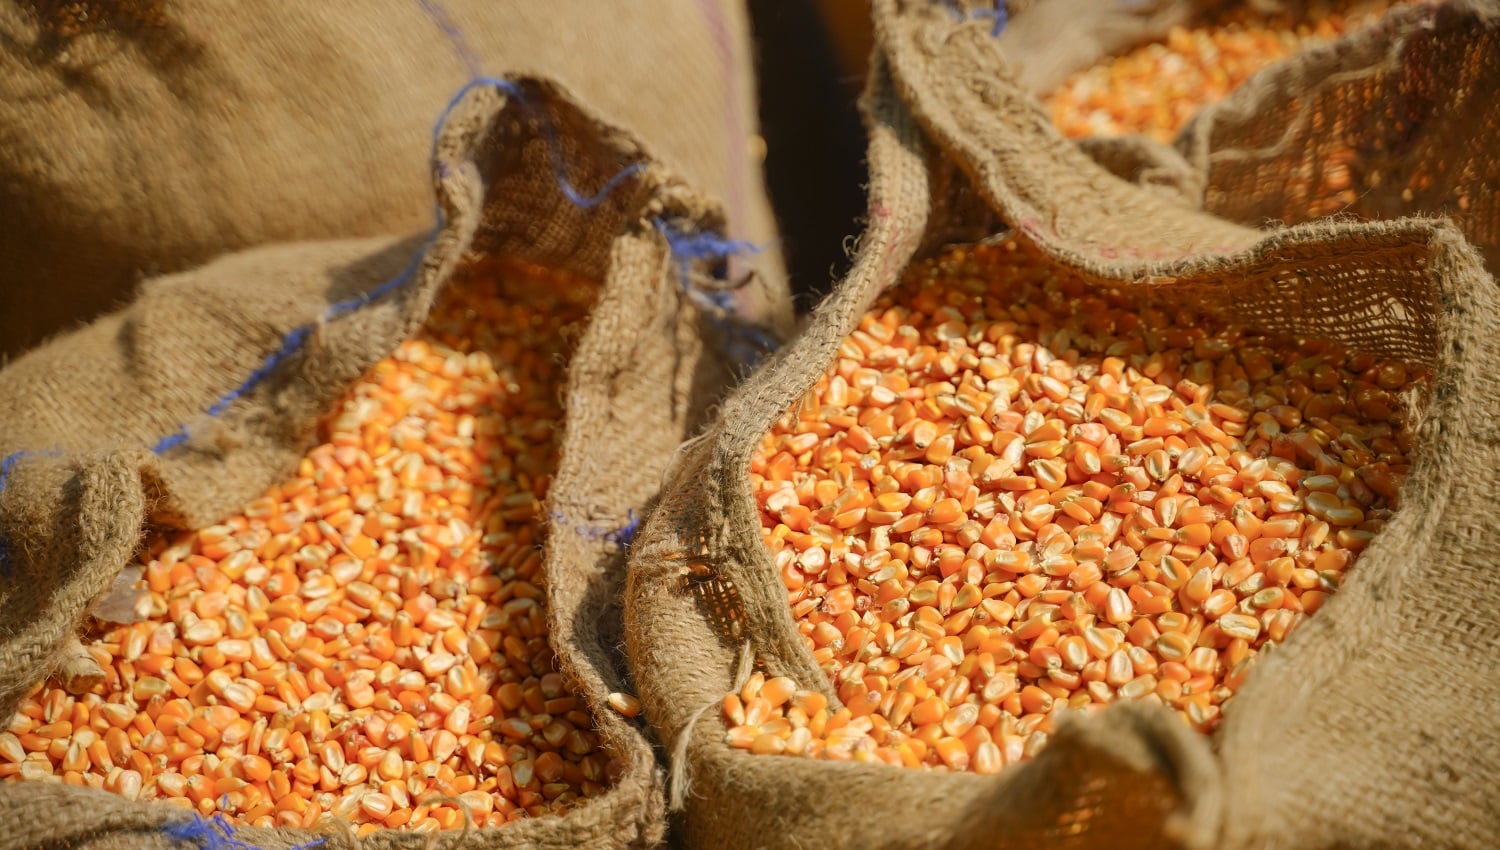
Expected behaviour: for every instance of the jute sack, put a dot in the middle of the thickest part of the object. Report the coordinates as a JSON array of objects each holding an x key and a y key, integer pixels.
[
  {"x": 1044, "y": 42},
  {"x": 233, "y": 364},
  {"x": 1372, "y": 726},
  {"x": 140, "y": 137}
]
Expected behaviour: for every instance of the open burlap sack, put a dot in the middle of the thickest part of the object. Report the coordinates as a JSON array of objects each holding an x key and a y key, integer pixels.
[
  {"x": 140, "y": 137},
  {"x": 238, "y": 359},
  {"x": 1372, "y": 727},
  {"x": 1045, "y": 41}
]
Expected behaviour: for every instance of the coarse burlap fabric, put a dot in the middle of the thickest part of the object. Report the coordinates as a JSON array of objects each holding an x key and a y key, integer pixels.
[
  {"x": 1372, "y": 727},
  {"x": 1029, "y": 31},
  {"x": 641, "y": 378},
  {"x": 142, "y": 137}
]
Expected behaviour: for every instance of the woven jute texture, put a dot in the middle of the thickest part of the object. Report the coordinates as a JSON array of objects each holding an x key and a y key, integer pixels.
[
  {"x": 1371, "y": 727},
  {"x": 641, "y": 378},
  {"x": 143, "y": 137},
  {"x": 1028, "y": 32}
]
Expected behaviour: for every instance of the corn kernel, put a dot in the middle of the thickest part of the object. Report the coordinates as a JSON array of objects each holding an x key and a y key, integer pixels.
[
  {"x": 362, "y": 602},
  {"x": 1151, "y": 566}
]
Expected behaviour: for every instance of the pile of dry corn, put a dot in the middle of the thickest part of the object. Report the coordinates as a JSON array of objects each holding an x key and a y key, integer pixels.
[
  {"x": 367, "y": 640},
  {"x": 1013, "y": 495},
  {"x": 1155, "y": 89}
]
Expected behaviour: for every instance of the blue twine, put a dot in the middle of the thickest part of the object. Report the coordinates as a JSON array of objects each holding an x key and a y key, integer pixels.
[
  {"x": 1000, "y": 15},
  {"x": 744, "y": 342},
  {"x": 549, "y": 136},
  {"x": 590, "y": 201},
  {"x": 217, "y": 833},
  {"x": 625, "y": 535},
  {"x": 9, "y": 464},
  {"x": 687, "y": 247},
  {"x": 444, "y": 21},
  {"x": 622, "y": 536},
  {"x": 294, "y": 341}
]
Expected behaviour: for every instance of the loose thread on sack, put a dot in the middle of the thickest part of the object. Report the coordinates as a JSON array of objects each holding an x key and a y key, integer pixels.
[
  {"x": 625, "y": 535},
  {"x": 679, "y": 781},
  {"x": 551, "y": 139},
  {"x": 296, "y": 339},
  {"x": 439, "y": 14},
  {"x": 9, "y": 464},
  {"x": 555, "y": 154},
  {"x": 622, "y": 536},
  {"x": 690, "y": 247},
  {"x": 217, "y": 833},
  {"x": 1000, "y": 15},
  {"x": 745, "y": 342}
]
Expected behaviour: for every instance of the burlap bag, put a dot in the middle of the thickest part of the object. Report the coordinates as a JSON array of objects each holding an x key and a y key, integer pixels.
[
  {"x": 1044, "y": 41},
  {"x": 283, "y": 331},
  {"x": 1373, "y": 726},
  {"x": 140, "y": 137}
]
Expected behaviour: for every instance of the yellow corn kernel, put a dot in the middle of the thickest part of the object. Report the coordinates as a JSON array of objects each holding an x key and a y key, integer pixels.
[
  {"x": 342, "y": 632},
  {"x": 1049, "y": 567}
]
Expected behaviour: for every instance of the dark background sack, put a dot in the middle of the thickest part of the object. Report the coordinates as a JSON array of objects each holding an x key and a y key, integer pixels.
[
  {"x": 812, "y": 64},
  {"x": 306, "y": 320},
  {"x": 140, "y": 137},
  {"x": 1372, "y": 727}
]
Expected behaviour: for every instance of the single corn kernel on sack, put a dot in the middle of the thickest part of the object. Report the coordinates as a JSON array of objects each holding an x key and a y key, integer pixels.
[
  {"x": 198, "y": 404},
  {"x": 1345, "y": 735},
  {"x": 144, "y": 137}
]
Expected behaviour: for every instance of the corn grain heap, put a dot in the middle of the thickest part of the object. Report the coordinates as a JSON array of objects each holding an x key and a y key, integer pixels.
[
  {"x": 1156, "y": 88},
  {"x": 367, "y": 640},
  {"x": 1014, "y": 495}
]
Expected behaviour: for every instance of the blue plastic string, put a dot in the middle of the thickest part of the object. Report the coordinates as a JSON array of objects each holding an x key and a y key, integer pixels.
[
  {"x": 1000, "y": 15},
  {"x": 217, "y": 833},
  {"x": 444, "y": 21},
  {"x": 625, "y": 535},
  {"x": 549, "y": 136},
  {"x": 622, "y": 536},
  {"x": 688, "y": 247},
  {"x": 9, "y": 464},
  {"x": 555, "y": 153},
  {"x": 294, "y": 341},
  {"x": 744, "y": 342},
  {"x": 590, "y": 201}
]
